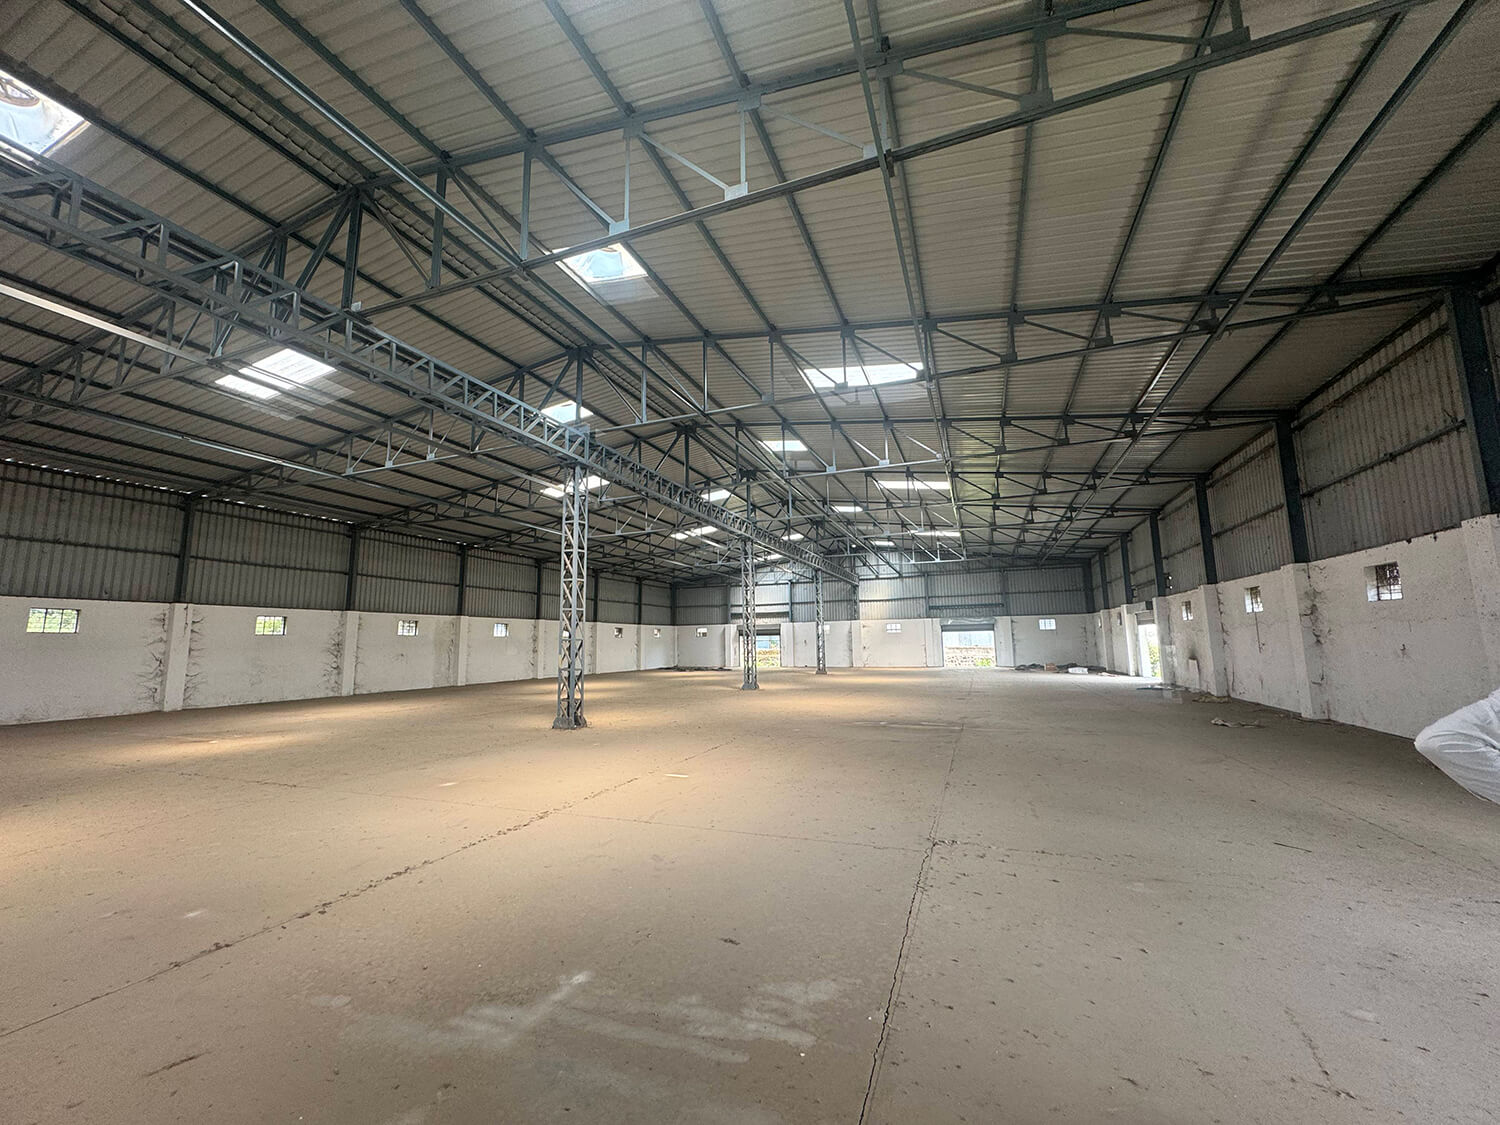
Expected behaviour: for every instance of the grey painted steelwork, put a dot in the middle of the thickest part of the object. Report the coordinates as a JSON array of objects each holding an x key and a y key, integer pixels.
[
  {"x": 1125, "y": 578},
  {"x": 1291, "y": 484},
  {"x": 747, "y": 617},
  {"x": 59, "y": 208},
  {"x": 821, "y": 640},
  {"x": 1476, "y": 368},
  {"x": 1206, "y": 531},
  {"x": 573, "y": 558},
  {"x": 1158, "y": 566}
]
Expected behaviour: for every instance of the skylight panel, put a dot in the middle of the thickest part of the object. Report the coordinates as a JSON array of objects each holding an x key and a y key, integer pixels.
[
  {"x": 34, "y": 121},
  {"x": 848, "y": 509},
  {"x": 793, "y": 537},
  {"x": 603, "y": 266},
  {"x": 696, "y": 532},
  {"x": 590, "y": 482},
  {"x": 860, "y": 375},
  {"x": 882, "y": 542},
  {"x": 279, "y": 371},
  {"x": 914, "y": 484},
  {"x": 784, "y": 445},
  {"x": 714, "y": 495},
  {"x": 567, "y": 411},
  {"x": 937, "y": 533}
]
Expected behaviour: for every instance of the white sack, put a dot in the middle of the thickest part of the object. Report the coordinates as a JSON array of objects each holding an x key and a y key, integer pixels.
[{"x": 1466, "y": 747}]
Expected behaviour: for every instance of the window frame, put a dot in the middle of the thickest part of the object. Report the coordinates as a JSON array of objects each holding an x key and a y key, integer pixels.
[
  {"x": 263, "y": 623},
  {"x": 57, "y": 614},
  {"x": 1047, "y": 624},
  {"x": 408, "y": 626},
  {"x": 1254, "y": 601},
  {"x": 1383, "y": 582}
]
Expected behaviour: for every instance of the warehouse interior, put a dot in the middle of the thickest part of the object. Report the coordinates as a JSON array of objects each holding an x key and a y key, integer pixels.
[{"x": 736, "y": 562}]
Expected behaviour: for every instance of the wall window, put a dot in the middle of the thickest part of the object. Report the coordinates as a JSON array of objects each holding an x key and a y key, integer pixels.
[
  {"x": 1383, "y": 582},
  {"x": 1253, "y": 604},
  {"x": 656, "y": 632},
  {"x": 1046, "y": 623},
  {"x": 703, "y": 632},
  {"x": 502, "y": 629},
  {"x": 270, "y": 626},
  {"x": 406, "y": 628},
  {"x": 1187, "y": 611},
  {"x": 893, "y": 626},
  {"x": 619, "y": 632},
  {"x": 44, "y": 620}
]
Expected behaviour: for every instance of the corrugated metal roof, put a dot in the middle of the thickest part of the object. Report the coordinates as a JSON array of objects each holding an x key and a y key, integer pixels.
[{"x": 201, "y": 104}]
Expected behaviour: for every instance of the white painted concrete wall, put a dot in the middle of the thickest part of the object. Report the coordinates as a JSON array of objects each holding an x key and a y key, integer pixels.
[
  {"x": 714, "y": 649},
  {"x": 113, "y": 665},
  {"x": 1028, "y": 643},
  {"x": 799, "y": 644},
  {"x": 1323, "y": 650},
  {"x": 919, "y": 644},
  {"x": 228, "y": 664},
  {"x": 131, "y": 657}
]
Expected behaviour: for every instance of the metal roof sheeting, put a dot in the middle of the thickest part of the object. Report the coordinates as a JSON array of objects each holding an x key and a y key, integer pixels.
[{"x": 1027, "y": 215}]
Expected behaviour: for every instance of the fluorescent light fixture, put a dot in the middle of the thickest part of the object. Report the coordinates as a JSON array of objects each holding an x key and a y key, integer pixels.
[
  {"x": 714, "y": 495},
  {"x": 567, "y": 411},
  {"x": 34, "y": 121},
  {"x": 279, "y": 371},
  {"x": 847, "y": 509},
  {"x": 793, "y": 537},
  {"x": 603, "y": 266},
  {"x": 937, "y": 533},
  {"x": 914, "y": 484},
  {"x": 882, "y": 542},
  {"x": 558, "y": 491},
  {"x": 695, "y": 532},
  {"x": 784, "y": 445},
  {"x": 867, "y": 375}
]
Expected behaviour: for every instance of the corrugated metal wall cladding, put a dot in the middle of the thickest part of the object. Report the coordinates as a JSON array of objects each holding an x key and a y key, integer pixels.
[
  {"x": 71, "y": 536},
  {"x": 1248, "y": 509},
  {"x": 1381, "y": 450},
  {"x": 402, "y": 574},
  {"x": 247, "y": 557}
]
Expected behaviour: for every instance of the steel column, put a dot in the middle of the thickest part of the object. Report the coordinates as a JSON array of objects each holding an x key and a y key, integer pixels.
[
  {"x": 1291, "y": 484},
  {"x": 351, "y": 575},
  {"x": 1125, "y": 567},
  {"x": 185, "y": 548},
  {"x": 822, "y": 641},
  {"x": 1476, "y": 372},
  {"x": 572, "y": 576},
  {"x": 1156, "y": 559},
  {"x": 747, "y": 616},
  {"x": 1088, "y": 586},
  {"x": 1206, "y": 532},
  {"x": 463, "y": 580}
]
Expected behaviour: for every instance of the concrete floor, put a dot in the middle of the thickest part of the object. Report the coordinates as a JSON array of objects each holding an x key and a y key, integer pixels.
[{"x": 880, "y": 896}]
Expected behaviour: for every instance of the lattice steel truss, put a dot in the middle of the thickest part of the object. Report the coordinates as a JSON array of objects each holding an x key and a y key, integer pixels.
[
  {"x": 819, "y": 627},
  {"x": 195, "y": 281},
  {"x": 573, "y": 569},
  {"x": 747, "y": 616}
]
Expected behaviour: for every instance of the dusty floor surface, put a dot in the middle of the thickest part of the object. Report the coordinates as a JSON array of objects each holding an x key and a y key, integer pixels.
[{"x": 879, "y": 896}]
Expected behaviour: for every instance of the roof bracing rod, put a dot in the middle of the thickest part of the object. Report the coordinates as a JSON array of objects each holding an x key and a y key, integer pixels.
[
  {"x": 53, "y": 206},
  {"x": 1272, "y": 41}
]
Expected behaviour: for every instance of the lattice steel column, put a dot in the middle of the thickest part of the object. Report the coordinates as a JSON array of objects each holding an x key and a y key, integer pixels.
[
  {"x": 747, "y": 615},
  {"x": 573, "y": 571},
  {"x": 819, "y": 626}
]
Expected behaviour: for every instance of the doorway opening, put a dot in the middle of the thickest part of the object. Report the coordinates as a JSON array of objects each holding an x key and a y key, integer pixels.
[
  {"x": 768, "y": 650},
  {"x": 1150, "y": 651},
  {"x": 971, "y": 648}
]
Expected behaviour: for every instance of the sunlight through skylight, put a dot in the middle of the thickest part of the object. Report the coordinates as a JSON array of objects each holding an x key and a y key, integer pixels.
[
  {"x": 34, "y": 121},
  {"x": 602, "y": 266},
  {"x": 866, "y": 375},
  {"x": 279, "y": 371}
]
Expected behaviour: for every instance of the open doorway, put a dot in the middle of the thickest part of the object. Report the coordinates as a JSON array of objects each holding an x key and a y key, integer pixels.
[
  {"x": 768, "y": 650},
  {"x": 1150, "y": 651},
  {"x": 970, "y": 648}
]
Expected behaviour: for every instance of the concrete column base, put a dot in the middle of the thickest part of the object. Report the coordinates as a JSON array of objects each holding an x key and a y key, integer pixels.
[{"x": 174, "y": 665}]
